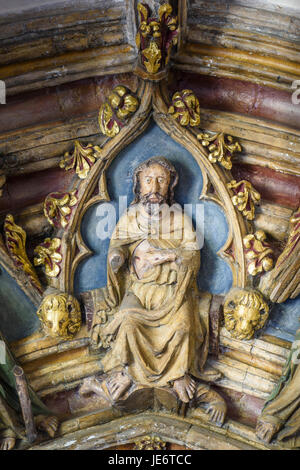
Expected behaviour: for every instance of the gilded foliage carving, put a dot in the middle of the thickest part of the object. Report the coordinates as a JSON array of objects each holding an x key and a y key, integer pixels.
[
  {"x": 15, "y": 239},
  {"x": 221, "y": 148},
  {"x": 81, "y": 159},
  {"x": 150, "y": 443},
  {"x": 258, "y": 253},
  {"x": 48, "y": 254},
  {"x": 156, "y": 36},
  {"x": 185, "y": 108},
  {"x": 58, "y": 208},
  {"x": 245, "y": 197},
  {"x": 116, "y": 110}
]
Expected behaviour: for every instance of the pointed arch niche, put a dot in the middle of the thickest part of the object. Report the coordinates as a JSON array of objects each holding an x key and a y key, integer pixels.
[{"x": 152, "y": 131}]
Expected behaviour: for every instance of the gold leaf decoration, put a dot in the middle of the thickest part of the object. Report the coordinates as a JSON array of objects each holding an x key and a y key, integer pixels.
[
  {"x": 258, "y": 253},
  {"x": 58, "y": 208},
  {"x": 60, "y": 315},
  {"x": 221, "y": 148},
  {"x": 245, "y": 197},
  {"x": 245, "y": 312},
  {"x": 150, "y": 443},
  {"x": 153, "y": 57},
  {"x": 185, "y": 108},
  {"x": 116, "y": 110},
  {"x": 48, "y": 255},
  {"x": 156, "y": 36},
  {"x": 15, "y": 240},
  {"x": 81, "y": 159}
]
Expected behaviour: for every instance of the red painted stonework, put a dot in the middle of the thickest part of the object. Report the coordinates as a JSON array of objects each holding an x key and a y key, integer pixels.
[
  {"x": 60, "y": 103},
  {"x": 232, "y": 95},
  {"x": 81, "y": 97},
  {"x": 273, "y": 186},
  {"x": 26, "y": 190}
]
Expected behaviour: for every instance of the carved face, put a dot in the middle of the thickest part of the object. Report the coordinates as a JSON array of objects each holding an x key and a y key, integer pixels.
[
  {"x": 154, "y": 184},
  {"x": 60, "y": 315},
  {"x": 245, "y": 312}
]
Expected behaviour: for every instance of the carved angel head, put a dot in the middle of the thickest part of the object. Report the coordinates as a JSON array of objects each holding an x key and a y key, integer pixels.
[
  {"x": 60, "y": 315},
  {"x": 245, "y": 311}
]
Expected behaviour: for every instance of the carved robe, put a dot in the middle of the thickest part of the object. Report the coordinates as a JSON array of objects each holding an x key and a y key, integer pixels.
[
  {"x": 283, "y": 406},
  {"x": 154, "y": 326}
]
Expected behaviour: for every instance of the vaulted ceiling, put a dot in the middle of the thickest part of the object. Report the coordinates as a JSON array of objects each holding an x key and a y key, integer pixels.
[{"x": 60, "y": 59}]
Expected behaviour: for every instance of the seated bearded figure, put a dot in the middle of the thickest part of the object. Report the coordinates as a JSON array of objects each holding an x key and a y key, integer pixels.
[{"x": 148, "y": 315}]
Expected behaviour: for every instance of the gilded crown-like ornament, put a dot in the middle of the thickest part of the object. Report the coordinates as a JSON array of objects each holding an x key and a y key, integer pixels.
[
  {"x": 116, "y": 110},
  {"x": 156, "y": 36}
]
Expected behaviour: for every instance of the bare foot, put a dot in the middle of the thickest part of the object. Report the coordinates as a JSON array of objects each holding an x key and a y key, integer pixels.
[
  {"x": 48, "y": 424},
  {"x": 185, "y": 388},
  {"x": 8, "y": 443},
  {"x": 217, "y": 413},
  {"x": 265, "y": 431},
  {"x": 91, "y": 385},
  {"x": 118, "y": 383}
]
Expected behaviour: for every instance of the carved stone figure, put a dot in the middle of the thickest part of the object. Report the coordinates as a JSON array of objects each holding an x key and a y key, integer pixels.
[
  {"x": 281, "y": 413},
  {"x": 60, "y": 315},
  {"x": 245, "y": 312},
  {"x": 11, "y": 425},
  {"x": 148, "y": 315}
]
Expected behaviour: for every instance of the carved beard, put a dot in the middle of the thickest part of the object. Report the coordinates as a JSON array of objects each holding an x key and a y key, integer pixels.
[{"x": 152, "y": 208}]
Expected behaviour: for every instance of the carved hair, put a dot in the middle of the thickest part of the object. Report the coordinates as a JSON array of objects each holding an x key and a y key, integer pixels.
[
  {"x": 249, "y": 299},
  {"x": 252, "y": 299},
  {"x": 158, "y": 160},
  {"x": 66, "y": 304}
]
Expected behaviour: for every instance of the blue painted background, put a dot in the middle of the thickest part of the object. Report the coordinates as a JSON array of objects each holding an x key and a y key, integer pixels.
[
  {"x": 283, "y": 321},
  {"x": 18, "y": 317},
  {"x": 215, "y": 275}
]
